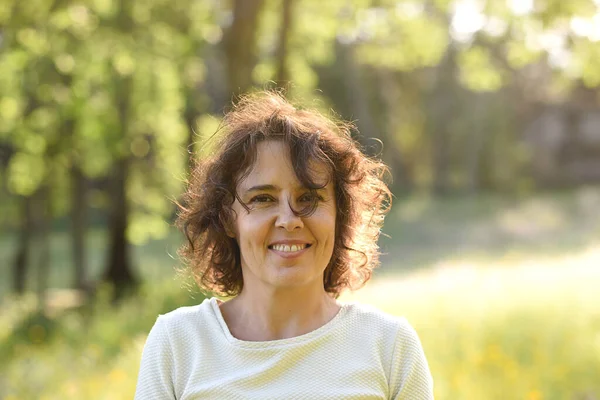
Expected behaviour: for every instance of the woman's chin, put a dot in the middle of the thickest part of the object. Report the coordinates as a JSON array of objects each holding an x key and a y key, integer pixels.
[{"x": 296, "y": 275}]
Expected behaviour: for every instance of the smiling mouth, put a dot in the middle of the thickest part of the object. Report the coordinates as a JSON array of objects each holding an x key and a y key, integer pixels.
[{"x": 286, "y": 248}]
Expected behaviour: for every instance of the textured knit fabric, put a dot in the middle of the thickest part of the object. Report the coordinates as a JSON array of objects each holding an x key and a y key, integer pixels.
[{"x": 361, "y": 353}]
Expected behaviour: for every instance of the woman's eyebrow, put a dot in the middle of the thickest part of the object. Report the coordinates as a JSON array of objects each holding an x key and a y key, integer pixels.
[
  {"x": 273, "y": 188},
  {"x": 262, "y": 188}
]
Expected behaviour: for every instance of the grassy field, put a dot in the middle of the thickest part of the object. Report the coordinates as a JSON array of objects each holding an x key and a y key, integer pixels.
[
  {"x": 511, "y": 330},
  {"x": 504, "y": 293}
]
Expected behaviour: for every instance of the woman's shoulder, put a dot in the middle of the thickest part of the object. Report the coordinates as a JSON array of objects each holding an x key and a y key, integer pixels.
[
  {"x": 188, "y": 317},
  {"x": 390, "y": 336},
  {"x": 375, "y": 322},
  {"x": 374, "y": 317}
]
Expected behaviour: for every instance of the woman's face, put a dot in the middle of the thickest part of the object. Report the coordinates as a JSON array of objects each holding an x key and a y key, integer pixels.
[{"x": 279, "y": 249}]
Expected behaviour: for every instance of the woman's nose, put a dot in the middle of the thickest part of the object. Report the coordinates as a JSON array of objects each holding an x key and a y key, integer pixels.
[{"x": 287, "y": 219}]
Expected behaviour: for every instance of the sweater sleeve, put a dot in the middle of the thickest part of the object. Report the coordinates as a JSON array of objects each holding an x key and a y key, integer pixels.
[
  {"x": 155, "y": 378},
  {"x": 410, "y": 378}
]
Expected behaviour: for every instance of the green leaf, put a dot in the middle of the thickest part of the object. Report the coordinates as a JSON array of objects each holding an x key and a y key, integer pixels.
[
  {"x": 124, "y": 63},
  {"x": 144, "y": 227},
  {"x": 519, "y": 54},
  {"x": 477, "y": 72},
  {"x": 10, "y": 108},
  {"x": 25, "y": 173}
]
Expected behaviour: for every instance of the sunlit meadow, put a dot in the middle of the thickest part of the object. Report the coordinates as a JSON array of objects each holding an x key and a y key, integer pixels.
[
  {"x": 511, "y": 330},
  {"x": 501, "y": 320}
]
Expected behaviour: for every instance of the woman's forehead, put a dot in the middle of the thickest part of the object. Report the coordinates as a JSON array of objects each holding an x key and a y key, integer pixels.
[{"x": 273, "y": 165}]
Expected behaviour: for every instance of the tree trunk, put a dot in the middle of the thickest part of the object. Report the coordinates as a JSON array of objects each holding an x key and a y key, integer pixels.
[
  {"x": 240, "y": 43},
  {"x": 119, "y": 272},
  {"x": 43, "y": 235},
  {"x": 191, "y": 113},
  {"x": 216, "y": 84},
  {"x": 119, "y": 269},
  {"x": 440, "y": 161},
  {"x": 283, "y": 75},
  {"x": 21, "y": 262},
  {"x": 358, "y": 100},
  {"x": 392, "y": 97},
  {"x": 442, "y": 105},
  {"x": 78, "y": 228},
  {"x": 477, "y": 143}
]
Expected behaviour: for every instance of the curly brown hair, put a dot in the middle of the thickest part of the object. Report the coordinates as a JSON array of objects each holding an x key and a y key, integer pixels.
[{"x": 205, "y": 216}]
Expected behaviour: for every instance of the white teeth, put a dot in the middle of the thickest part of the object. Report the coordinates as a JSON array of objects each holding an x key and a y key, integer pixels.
[{"x": 288, "y": 248}]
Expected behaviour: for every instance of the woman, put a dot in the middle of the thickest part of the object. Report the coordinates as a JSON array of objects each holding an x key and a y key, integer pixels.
[{"x": 283, "y": 217}]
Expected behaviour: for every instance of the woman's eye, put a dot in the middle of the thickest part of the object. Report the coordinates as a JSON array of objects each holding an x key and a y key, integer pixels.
[
  {"x": 310, "y": 197},
  {"x": 261, "y": 198}
]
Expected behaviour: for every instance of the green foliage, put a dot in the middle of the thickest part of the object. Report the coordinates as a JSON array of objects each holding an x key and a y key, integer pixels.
[
  {"x": 403, "y": 42},
  {"x": 553, "y": 11},
  {"x": 64, "y": 65},
  {"x": 477, "y": 71},
  {"x": 587, "y": 55},
  {"x": 61, "y": 69},
  {"x": 25, "y": 173},
  {"x": 103, "y": 340},
  {"x": 519, "y": 55}
]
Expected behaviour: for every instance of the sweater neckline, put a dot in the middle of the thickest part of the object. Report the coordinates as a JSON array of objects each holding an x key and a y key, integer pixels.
[{"x": 277, "y": 342}]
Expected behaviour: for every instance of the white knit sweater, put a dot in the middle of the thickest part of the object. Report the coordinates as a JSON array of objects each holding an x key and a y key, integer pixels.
[{"x": 361, "y": 353}]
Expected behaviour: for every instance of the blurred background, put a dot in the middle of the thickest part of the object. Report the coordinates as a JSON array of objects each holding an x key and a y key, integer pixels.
[{"x": 489, "y": 114}]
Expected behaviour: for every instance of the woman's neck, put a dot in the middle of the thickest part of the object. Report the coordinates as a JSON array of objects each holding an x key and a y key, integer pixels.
[{"x": 260, "y": 316}]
